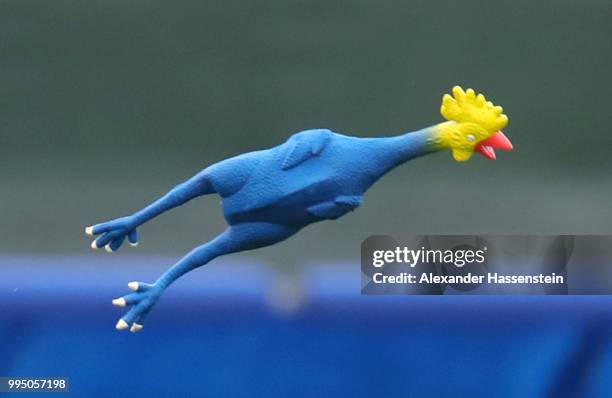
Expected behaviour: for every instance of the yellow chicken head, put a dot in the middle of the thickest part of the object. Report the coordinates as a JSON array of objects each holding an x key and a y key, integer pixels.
[{"x": 474, "y": 124}]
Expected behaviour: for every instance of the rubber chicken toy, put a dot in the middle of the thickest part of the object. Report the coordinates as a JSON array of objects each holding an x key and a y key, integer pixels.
[{"x": 269, "y": 195}]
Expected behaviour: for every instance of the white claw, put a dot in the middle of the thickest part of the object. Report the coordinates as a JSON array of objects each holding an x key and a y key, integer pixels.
[
  {"x": 121, "y": 325},
  {"x": 108, "y": 248},
  {"x": 133, "y": 286},
  {"x": 119, "y": 302},
  {"x": 133, "y": 244},
  {"x": 89, "y": 231},
  {"x": 136, "y": 327},
  {"x": 93, "y": 245}
]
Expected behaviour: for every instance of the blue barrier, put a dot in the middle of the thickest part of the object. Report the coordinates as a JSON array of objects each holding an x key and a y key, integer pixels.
[{"x": 238, "y": 329}]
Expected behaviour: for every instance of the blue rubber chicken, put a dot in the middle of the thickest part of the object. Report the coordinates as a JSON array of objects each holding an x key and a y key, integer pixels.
[{"x": 315, "y": 175}]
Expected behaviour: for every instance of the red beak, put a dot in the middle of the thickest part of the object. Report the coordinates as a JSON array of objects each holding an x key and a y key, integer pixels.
[{"x": 497, "y": 141}]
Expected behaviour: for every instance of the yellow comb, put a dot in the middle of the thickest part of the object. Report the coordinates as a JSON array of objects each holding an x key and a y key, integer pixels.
[{"x": 469, "y": 107}]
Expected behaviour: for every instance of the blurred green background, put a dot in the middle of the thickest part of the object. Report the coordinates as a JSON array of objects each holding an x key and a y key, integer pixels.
[{"x": 105, "y": 105}]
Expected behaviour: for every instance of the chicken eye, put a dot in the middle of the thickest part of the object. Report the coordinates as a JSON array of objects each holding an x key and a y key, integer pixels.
[{"x": 470, "y": 138}]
